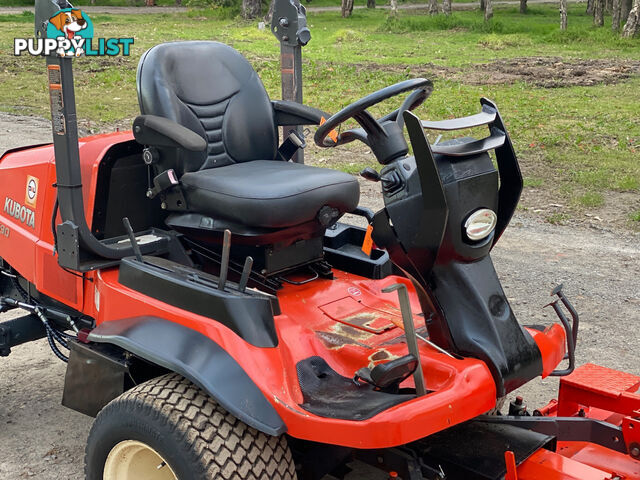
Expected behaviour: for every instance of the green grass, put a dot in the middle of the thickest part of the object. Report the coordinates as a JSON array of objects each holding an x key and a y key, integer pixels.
[
  {"x": 557, "y": 218},
  {"x": 81, "y": 3},
  {"x": 24, "y": 17},
  {"x": 533, "y": 182},
  {"x": 200, "y": 3},
  {"x": 591, "y": 200},
  {"x": 635, "y": 216},
  {"x": 573, "y": 142}
]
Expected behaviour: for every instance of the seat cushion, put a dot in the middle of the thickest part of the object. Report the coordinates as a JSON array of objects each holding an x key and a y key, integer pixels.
[{"x": 269, "y": 193}]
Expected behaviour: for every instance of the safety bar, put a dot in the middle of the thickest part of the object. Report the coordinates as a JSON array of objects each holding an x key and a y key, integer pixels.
[
  {"x": 497, "y": 139},
  {"x": 571, "y": 329},
  {"x": 488, "y": 115}
]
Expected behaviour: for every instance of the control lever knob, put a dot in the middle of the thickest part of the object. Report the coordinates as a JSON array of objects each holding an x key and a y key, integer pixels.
[
  {"x": 391, "y": 182},
  {"x": 370, "y": 174}
]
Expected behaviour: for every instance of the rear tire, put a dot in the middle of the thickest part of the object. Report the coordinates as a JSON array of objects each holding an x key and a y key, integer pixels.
[{"x": 188, "y": 430}]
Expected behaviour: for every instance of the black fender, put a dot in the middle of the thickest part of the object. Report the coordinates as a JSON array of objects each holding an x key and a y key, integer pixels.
[{"x": 197, "y": 358}]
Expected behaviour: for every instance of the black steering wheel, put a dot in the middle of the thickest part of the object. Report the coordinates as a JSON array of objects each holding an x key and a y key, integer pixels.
[{"x": 384, "y": 136}]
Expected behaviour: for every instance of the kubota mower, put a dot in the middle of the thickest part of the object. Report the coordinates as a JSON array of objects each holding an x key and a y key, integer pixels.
[{"x": 222, "y": 323}]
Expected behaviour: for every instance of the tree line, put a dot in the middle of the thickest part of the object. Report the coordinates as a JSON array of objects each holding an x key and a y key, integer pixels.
[{"x": 625, "y": 14}]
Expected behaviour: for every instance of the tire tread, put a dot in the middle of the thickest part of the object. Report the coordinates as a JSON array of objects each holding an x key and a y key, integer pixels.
[{"x": 219, "y": 445}]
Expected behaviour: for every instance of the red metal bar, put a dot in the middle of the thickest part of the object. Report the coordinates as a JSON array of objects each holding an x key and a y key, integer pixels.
[{"x": 512, "y": 468}]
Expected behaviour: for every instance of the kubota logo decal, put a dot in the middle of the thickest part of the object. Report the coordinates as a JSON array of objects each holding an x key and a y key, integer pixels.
[
  {"x": 31, "y": 196},
  {"x": 20, "y": 212}
]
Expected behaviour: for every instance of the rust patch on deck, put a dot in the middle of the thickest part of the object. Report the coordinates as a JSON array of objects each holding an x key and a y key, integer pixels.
[{"x": 353, "y": 313}]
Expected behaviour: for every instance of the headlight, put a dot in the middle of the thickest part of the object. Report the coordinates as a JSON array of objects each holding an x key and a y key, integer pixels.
[{"x": 480, "y": 224}]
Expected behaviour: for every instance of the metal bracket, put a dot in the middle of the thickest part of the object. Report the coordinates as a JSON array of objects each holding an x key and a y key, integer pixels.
[
  {"x": 289, "y": 25},
  {"x": 631, "y": 433},
  {"x": 570, "y": 329}
]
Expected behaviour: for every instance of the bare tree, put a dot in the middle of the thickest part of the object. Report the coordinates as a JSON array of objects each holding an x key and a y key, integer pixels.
[
  {"x": 269, "y": 15},
  {"x": 433, "y": 7},
  {"x": 393, "y": 12},
  {"x": 616, "y": 9},
  {"x": 590, "y": 7},
  {"x": 598, "y": 13},
  {"x": 446, "y": 7},
  {"x": 632, "y": 26},
  {"x": 626, "y": 8},
  {"x": 563, "y": 14},
  {"x": 523, "y": 6},
  {"x": 371, "y": 3},
  {"x": 488, "y": 10},
  {"x": 251, "y": 8},
  {"x": 347, "y": 8}
]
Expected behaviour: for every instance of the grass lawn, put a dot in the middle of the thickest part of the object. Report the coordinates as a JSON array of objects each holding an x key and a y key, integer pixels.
[
  {"x": 578, "y": 138},
  {"x": 205, "y": 3}
]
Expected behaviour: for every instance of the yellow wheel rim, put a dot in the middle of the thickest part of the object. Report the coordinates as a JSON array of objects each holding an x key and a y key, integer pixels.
[{"x": 133, "y": 460}]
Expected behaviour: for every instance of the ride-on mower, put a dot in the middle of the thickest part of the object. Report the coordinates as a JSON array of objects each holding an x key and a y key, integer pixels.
[{"x": 222, "y": 323}]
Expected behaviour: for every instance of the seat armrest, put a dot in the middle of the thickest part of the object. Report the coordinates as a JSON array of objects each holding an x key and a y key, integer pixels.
[
  {"x": 294, "y": 113},
  {"x": 161, "y": 132}
]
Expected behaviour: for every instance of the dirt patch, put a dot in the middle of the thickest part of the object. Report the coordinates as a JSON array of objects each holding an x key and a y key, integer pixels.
[
  {"x": 553, "y": 72},
  {"x": 548, "y": 72}
]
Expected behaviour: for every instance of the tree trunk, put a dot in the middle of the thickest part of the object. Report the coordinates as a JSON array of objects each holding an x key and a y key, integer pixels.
[
  {"x": 608, "y": 6},
  {"x": 482, "y": 5},
  {"x": 269, "y": 15},
  {"x": 632, "y": 26},
  {"x": 150, "y": 3},
  {"x": 371, "y": 3},
  {"x": 488, "y": 10},
  {"x": 624, "y": 11},
  {"x": 251, "y": 8},
  {"x": 598, "y": 15},
  {"x": 563, "y": 14},
  {"x": 446, "y": 7},
  {"x": 590, "y": 7},
  {"x": 433, "y": 7},
  {"x": 394, "y": 8},
  {"x": 523, "y": 6},
  {"x": 615, "y": 15},
  {"x": 347, "y": 8}
]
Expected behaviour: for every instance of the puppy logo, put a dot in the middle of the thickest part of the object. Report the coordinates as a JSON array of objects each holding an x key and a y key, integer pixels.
[
  {"x": 74, "y": 26},
  {"x": 69, "y": 33}
]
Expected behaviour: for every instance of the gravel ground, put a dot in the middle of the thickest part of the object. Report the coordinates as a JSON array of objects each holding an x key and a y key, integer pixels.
[{"x": 600, "y": 270}]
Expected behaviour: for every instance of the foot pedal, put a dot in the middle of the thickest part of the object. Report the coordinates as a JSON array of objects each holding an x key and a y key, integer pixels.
[
  {"x": 388, "y": 376},
  {"x": 599, "y": 387}
]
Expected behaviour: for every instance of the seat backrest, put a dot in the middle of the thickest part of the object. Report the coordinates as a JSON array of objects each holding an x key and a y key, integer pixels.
[{"x": 211, "y": 89}]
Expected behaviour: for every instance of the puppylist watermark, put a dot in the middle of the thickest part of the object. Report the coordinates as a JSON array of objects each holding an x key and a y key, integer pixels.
[{"x": 70, "y": 33}]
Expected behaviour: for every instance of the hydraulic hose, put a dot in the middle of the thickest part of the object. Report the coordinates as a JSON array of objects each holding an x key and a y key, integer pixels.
[{"x": 53, "y": 334}]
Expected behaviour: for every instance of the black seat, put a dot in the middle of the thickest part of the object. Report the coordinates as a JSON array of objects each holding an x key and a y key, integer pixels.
[
  {"x": 211, "y": 89},
  {"x": 267, "y": 193}
]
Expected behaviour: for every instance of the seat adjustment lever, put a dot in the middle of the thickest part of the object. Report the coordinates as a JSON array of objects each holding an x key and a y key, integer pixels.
[{"x": 163, "y": 182}]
